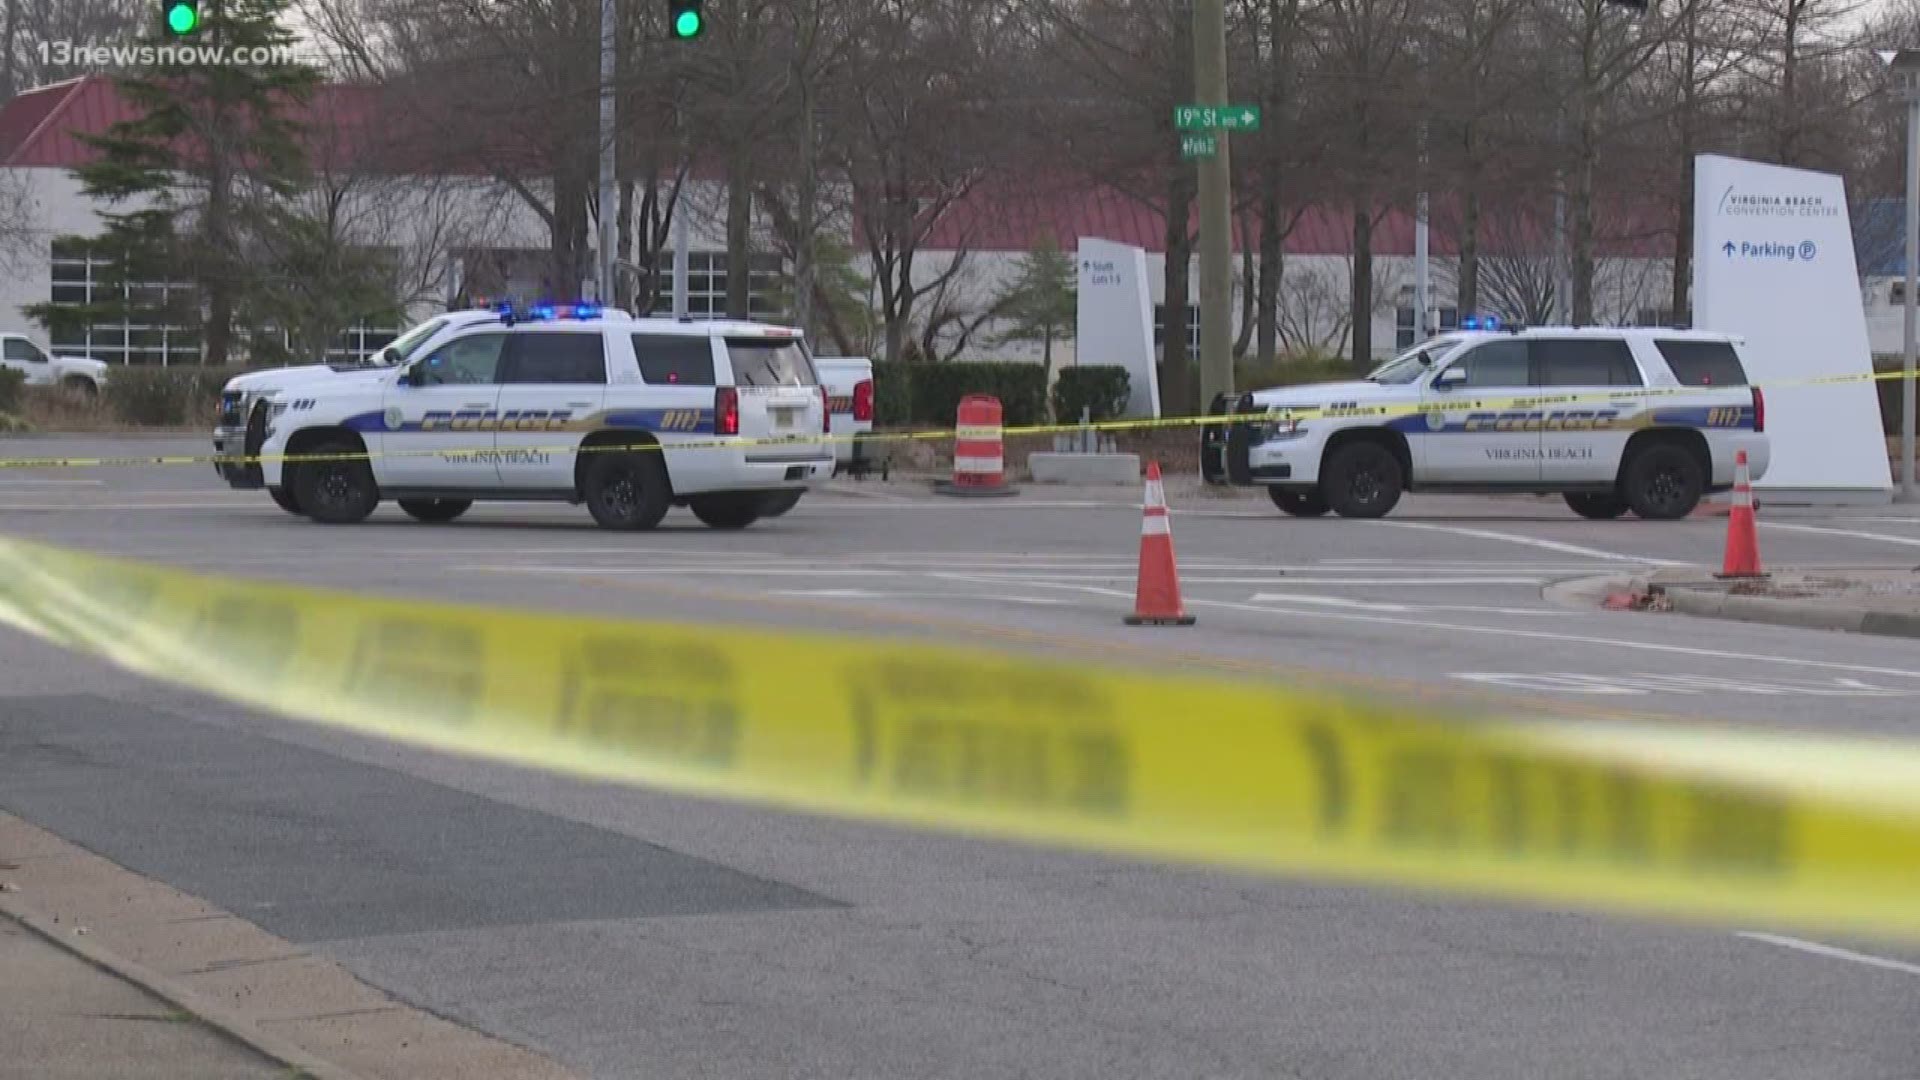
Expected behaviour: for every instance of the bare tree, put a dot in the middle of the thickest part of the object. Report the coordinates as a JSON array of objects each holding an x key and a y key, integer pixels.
[
  {"x": 1362, "y": 70},
  {"x": 1590, "y": 51},
  {"x": 21, "y": 237},
  {"x": 1118, "y": 68},
  {"x": 36, "y": 35}
]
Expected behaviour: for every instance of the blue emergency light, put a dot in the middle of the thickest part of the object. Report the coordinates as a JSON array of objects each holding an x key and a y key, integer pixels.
[
  {"x": 547, "y": 312},
  {"x": 1479, "y": 322}
]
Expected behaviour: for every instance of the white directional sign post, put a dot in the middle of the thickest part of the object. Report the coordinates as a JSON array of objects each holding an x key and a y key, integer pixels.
[
  {"x": 1115, "y": 319},
  {"x": 1773, "y": 262}
]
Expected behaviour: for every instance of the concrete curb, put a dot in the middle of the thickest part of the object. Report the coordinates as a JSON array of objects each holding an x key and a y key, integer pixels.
[
  {"x": 205, "y": 1009},
  {"x": 1715, "y": 604}
]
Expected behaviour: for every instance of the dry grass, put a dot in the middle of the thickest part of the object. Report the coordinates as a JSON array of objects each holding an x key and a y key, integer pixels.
[{"x": 51, "y": 409}]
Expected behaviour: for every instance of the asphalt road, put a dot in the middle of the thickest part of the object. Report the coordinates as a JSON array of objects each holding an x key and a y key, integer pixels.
[{"x": 628, "y": 933}]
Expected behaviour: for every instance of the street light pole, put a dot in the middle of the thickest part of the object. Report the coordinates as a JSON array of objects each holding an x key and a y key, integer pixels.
[
  {"x": 603, "y": 277},
  {"x": 1422, "y": 277},
  {"x": 1911, "y": 343}
]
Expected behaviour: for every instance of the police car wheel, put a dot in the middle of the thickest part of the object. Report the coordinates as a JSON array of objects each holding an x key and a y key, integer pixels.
[
  {"x": 1663, "y": 482},
  {"x": 283, "y": 498},
  {"x": 726, "y": 511},
  {"x": 1298, "y": 503},
  {"x": 1595, "y": 504},
  {"x": 1361, "y": 480},
  {"x": 779, "y": 503},
  {"x": 336, "y": 492},
  {"x": 627, "y": 491},
  {"x": 435, "y": 510}
]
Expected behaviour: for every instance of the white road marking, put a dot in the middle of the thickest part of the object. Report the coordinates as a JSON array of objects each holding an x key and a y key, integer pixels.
[
  {"x": 1534, "y": 541},
  {"x": 1425, "y": 566},
  {"x": 1883, "y": 538},
  {"x": 871, "y": 594},
  {"x": 1203, "y": 579},
  {"x": 1531, "y": 635},
  {"x": 52, "y": 483},
  {"x": 1643, "y": 683},
  {"x": 1830, "y": 951},
  {"x": 1371, "y": 605},
  {"x": 225, "y": 505}
]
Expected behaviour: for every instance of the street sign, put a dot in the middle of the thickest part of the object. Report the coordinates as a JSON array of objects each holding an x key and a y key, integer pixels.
[
  {"x": 1216, "y": 117},
  {"x": 1203, "y": 145}
]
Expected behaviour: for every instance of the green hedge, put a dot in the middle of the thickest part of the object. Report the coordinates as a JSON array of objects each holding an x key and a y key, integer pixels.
[
  {"x": 930, "y": 393},
  {"x": 1889, "y": 397},
  {"x": 1101, "y": 390},
  {"x": 12, "y": 384}
]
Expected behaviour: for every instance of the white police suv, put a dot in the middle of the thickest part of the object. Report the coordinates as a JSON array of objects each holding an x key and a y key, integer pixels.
[
  {"x": 1613, "y": 419},
  {"x": 628, "y": 416}
]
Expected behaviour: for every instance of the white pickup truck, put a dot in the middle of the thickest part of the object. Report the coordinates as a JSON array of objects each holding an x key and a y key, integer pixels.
[
  {"x": 73, "y": 372},
  {"x": 849, "y": 384}
]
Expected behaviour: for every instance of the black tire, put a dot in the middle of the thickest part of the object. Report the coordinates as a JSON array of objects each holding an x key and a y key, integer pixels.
[
  {"x": 1599, "y": 505},
  {"x": 1362, "y": 479},
  {"x": 1663, "y": 481},
  {"x": 779, "y": 502},
  {"x": 81, "y": 387},
  {"x": 340, "y": 492},
  {"x": 627, "y": 490},
  {"x": 435, "y": 511},
  {"x": 283, "y": 498},
  {"x": 726, "y": 511},
  {"x": 1298, "y": 503}
]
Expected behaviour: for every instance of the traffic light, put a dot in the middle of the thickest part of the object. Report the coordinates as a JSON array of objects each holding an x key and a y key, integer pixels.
[
  {"x": 685, "y": 20},
  {"x": 181, "y": 17}
]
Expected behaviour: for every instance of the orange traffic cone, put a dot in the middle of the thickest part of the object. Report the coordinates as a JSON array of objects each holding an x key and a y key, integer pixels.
[
  {"x": 1743, "y": 540},
  {"x": 1156, "y": 597}
]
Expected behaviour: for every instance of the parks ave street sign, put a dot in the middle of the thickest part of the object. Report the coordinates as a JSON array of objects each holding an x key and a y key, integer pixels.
[
  {"x": 1203, "y": 145},
  {"x": 1216, "y": 117}
]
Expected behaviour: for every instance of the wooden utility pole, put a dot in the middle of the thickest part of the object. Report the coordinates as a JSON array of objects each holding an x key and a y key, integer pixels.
[{"x": 1216, "y": 194}]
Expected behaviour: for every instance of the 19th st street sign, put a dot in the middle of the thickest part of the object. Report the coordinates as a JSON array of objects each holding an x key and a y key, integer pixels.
[{"x": 1216, "y": 117}]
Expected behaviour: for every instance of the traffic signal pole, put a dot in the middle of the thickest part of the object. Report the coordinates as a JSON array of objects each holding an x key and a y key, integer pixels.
[
  {"x": 1216, "y": 193},
  {"x": 606, "y": 266}
]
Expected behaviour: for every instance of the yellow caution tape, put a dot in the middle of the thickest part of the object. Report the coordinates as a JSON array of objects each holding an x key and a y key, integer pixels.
[
  {"x": 1717, "y": 825},
  {"x": 1456, "y": 402}
]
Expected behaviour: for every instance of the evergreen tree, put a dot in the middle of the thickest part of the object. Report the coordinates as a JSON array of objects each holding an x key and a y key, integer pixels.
[
  {"x": 194, "y": 181},
  {"x": 1043, "y": 300}
]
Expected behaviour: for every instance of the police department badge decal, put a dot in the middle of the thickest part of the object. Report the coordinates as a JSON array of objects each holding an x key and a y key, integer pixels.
[
  {"x": 1436, "y": 421},
  {"x": 394, "y": 419}
]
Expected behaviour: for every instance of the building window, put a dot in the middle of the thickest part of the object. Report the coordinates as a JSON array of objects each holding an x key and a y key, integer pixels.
[
  {"x": 1447, "y": 319},
  {"x": 1160, "y": 327},
  {"x": 707, "y": 286},
  {"x": 359, "y": 341},
  {"x": 1897, "y": 292},
  {"x": 80, "y": 272}
]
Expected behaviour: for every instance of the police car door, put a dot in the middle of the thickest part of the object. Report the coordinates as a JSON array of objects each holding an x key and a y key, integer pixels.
[
  {"x": 1589, "y": 390},
  {"x": 1474, "y": 433},
  {"x": 445, "y": 402},
  {"x": 552, "y": 377}
]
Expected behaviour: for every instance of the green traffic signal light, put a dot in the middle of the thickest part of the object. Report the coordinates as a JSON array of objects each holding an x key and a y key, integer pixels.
[
  {"x": 684, "y": 19},
  {"x": 183, "y": 17}
]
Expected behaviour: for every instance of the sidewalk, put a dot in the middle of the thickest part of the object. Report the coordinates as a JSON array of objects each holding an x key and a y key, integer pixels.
[{"x": 60, "y": 1017}]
